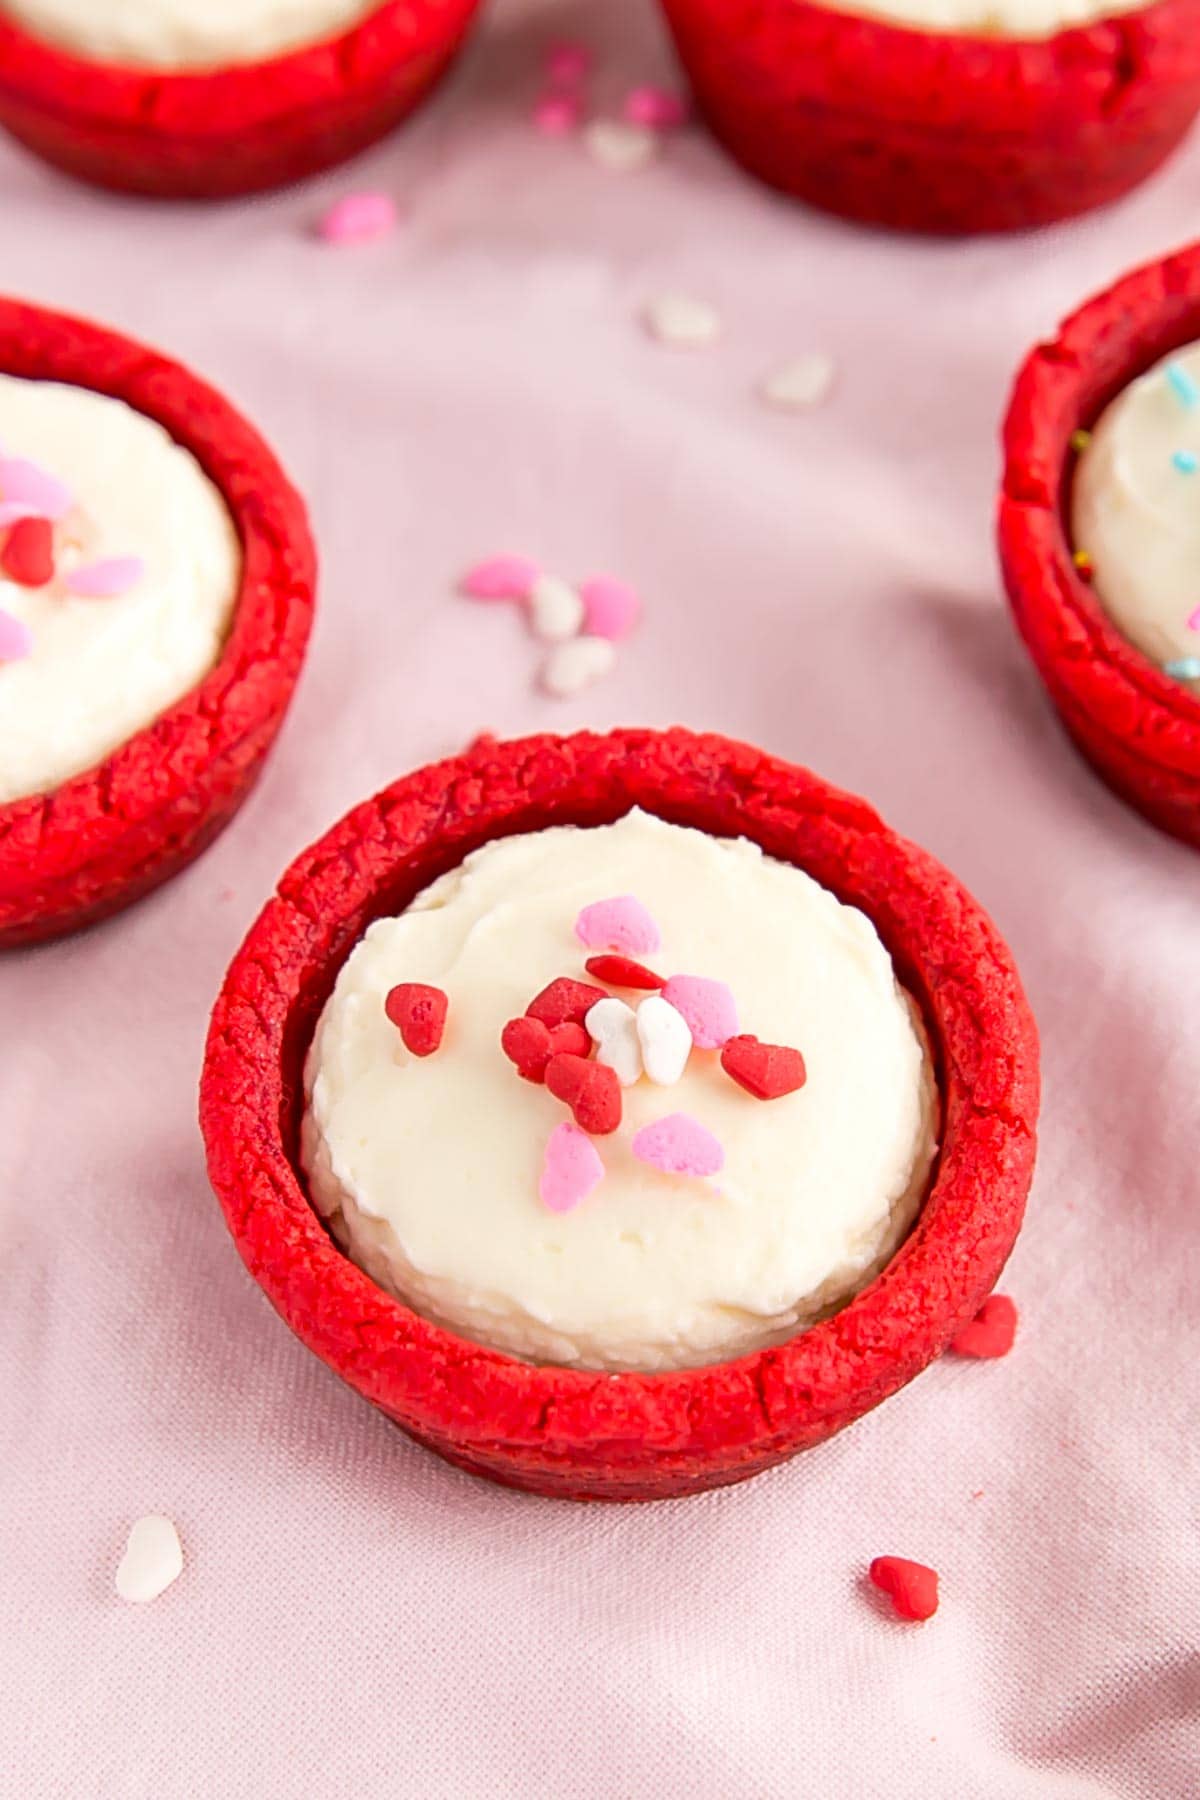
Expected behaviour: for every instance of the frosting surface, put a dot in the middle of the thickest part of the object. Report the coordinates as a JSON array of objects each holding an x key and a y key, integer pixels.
[
  {"x": 101, "y": 668},
  {"x": 428, "y": 1169},
  {"x": 1029, "y": 19},
  {"x": 1136, "y": 512},
  {"x": 185, "y": 34}
]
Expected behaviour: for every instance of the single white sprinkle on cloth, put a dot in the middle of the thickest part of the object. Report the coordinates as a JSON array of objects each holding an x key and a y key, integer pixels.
[
  {"x": 620, "y": 147},
  {"x": 795, "y": 386},
  {"x": 153, "y": 1559},
  {"x": 682, "y": 321}
]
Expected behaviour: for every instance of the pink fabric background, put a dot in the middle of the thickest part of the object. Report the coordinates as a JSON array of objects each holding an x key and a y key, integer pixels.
[{"x": 354, "y": 1619}]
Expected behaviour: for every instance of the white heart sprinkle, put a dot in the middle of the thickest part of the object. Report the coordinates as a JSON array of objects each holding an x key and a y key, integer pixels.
[
  {"x": 682, "y": 321},
  {"x": 613, "y": 1028},
  {"x": 621, "y": 147},
  {"x": 571, "y": 667},
  {"x": 555, "y": 610},
  {"x": 153, "y": 1559},
  {"x": 803, "y": 382},
  {"x": 665, "y": 1039}
]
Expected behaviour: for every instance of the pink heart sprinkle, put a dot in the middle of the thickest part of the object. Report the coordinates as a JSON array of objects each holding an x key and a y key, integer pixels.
[
  {"x": 358, "y": 219},
  {"x": 570, "y": 1170},
  {"x": 708, "y": 1007},
  {"x": 557, "y": 115},
  {"x": 28, "y": 484},
  {"x": 568, "y": 62},
  {"x": 656, "y": 107},
  {"x": 1193, "y": 623},
  {"x": 678, "y": 1145},
  {"x": 620, "y": 924},
  {"x": 16, "y": 639},
  {"x": 502, "y": 578},
  {"x": 105, "y": 580},
  {"x": 611, "y": 609}
]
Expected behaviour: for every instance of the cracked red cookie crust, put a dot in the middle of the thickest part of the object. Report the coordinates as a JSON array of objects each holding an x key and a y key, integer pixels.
[
  {"x": 111, "y": 834},
  {"x": 1137, "y": 727},
  {"x": 625, "y": 1437},
  {"x": 940, "y": 133},
  {"x": 233, "y": 130}
]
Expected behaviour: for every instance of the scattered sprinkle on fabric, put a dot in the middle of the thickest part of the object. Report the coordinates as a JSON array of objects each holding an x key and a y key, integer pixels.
[
  {"x": 107, "y": 579},
  {"x": 556, "y": 610},
  {"x": 501, "y": 578},
  {"x": 611, "y": 608},
  {"x": 1080, "y": 441},
  {"x": 558, "y": 115},
  {"x": 992, "y": 1332},
  {"x": 571, "y": 1169},
  {"x": 621, "y": 923},
  {"x": 621, "y": 148},
  {"x": 16, "y": 639},
  {"x": 659, "y": 108},
  {"x": 679, "y": 1145},
  {"x": 358, "y": 219},
  {"x": 1183, "y": 668},
  {"x": 797, "y": 385},
  {"x": 153, "y": 1559},
  {"x": 682, "y": 322},
  {"x": 570, "y": 668},
  {"x": 665, "y": 1039},
  {"x": 1193, "y": 623},
  {"x": 1186, "y": 462},
  {"x": 568, "y": 62},
  {"x": 910, "y": 1586}
]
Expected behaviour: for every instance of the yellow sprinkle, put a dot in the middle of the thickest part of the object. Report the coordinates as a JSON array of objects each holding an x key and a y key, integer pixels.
[
  {"x": 1082, "y": 560},
  {"x": 1080, "y": 441}
]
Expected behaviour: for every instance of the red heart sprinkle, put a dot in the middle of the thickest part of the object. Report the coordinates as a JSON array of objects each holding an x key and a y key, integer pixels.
[
  {"x": 991, "y": 1331},
  {"x": 622, "y": 971},
  {"x": 530, "y": 1044},
  {"x": 912, "y": 1588},
  {"x": 564, "y": 1001},
  {"x": 419, "y": 1014},
  {"x": 590, "y": 1089},
  {"x": 768, "y": 1071},
  {"x": 28, "y": 556}
]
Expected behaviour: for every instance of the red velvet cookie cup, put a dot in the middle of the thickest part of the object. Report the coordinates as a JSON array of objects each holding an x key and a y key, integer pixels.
[
  {"x": 232, "y": 130},
  {"x": 109, "y": 835},
  {"x": 927, "y": 131},
  {"x": 1137, "y": 727},
  {"x": 621, "y": 1437}
]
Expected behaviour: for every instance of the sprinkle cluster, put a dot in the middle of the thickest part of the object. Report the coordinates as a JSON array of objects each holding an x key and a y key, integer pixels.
[
  {"x": 623, "y": 144},
  {"x": 581, "y": 626},
  {"x": 39, "y": 520}
]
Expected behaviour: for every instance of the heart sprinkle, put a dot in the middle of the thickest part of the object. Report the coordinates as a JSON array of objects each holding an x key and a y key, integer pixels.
[
  {"x": 568, "y": 62},
  {"x": 16, "y": 639},
  {"x": 678, "y": 1145},
  {"x": 622, "y": 971},
  {"x": 590, "y": 1089},
  {"x": 768, "y": 1071},
  {"x": 611, "y": 608},
  {"x": 571, "y": 1169},
  {"x": 558, "y": 115},
  {"x": 419, "y": 1014},
  {"x": 358, "y": 219},
  {"x": 574, "y": 666},
  {"x": 622, "y": 924},
  {"x": 105, "y": 580},
  {"x": 682, "y": 322},
  {"x": 153, "y": 1559},
  {"x": 501, "y": 578},
  {"x": 530, "y": 1044},
  {"x": 797, "y": 385},
  {"x": 991, "y": 1332},
  {"x": 28, "y": 554},
  {"x": 911, "y": 1587},
  {"x": 28, "y": 484},
  {"x": 665, "y": 1039},
  {"x": 708, "y": 1007},
  {"x": 613, "y": 1029},
  {"x": 564, "y": 1000},
  {"x": 657, "y": 107},
  {"x": 619, "y": 147}
]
